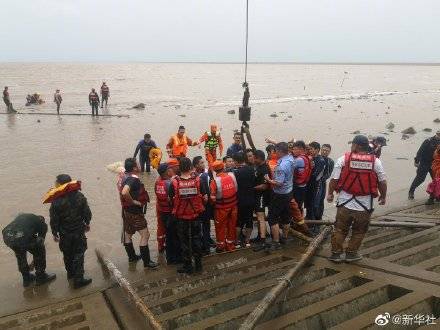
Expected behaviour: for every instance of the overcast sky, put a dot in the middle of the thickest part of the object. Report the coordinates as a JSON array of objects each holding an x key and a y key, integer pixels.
[{"x": 213, "y": 30}]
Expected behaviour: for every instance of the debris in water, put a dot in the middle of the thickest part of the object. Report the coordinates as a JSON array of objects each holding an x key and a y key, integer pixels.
[
  {"x": 116, "y": 167},
  {"x": 405, "y": 137},
  {"x": 339, "y": 106},
  {"x": 139, "y": 106},
  {"x": 402, "y": 158},
  {"x": 409, "y": 130},
  {"x": 231, "y": 112},
  {"x": 427, "y": 130},
  {"x": 182, "y": 115},
  {"x": 38, "y": 121},
  {"x": 274, "y": 115},
  {"x": 390, "y": 126},
  {"x": 437, "y": 120},
  {"x": 289, "y": 116}
]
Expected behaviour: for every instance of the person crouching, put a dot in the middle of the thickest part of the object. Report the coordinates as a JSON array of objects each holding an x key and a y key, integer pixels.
[
  {"x": 187, "y": 208},
  {"x": 133, "y": 199}
]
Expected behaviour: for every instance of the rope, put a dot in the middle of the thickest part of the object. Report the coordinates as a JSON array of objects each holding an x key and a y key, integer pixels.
[{"x": 247, "y": 38}]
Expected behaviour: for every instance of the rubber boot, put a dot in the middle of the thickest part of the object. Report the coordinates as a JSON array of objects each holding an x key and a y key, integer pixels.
[
  {"x": 28, "y": 279},
  {"x": 132, "y": 256},
  {"x": 145, "y": 255},
  {"x": 198, "y": 265},
  {"x": 43, "y": 278},
  {"x": 81, "y": 282}
]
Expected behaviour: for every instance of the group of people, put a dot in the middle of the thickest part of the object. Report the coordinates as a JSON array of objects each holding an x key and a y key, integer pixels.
[
  {"x": 281, "y": 187},
  {"x": 94, "y": 99}
]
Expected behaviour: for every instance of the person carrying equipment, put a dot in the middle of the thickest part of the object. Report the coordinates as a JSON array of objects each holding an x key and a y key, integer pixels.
[
  {"x": 143, "y": 148},
  {"x": 212, "y": 141},
  {"x": 359, "y": 177},
  {"x": 94, "y": 101},
  {"x": 178, "y": 144},
  {"x": 105, "y": 94},
  {"x": 26, "y": 233}
]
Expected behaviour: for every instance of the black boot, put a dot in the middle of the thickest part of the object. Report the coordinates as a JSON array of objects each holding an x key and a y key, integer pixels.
[
  {"x": 28, "y": 279},
  {"x": 145, "y": 255},
  {"x": 132, "y": 256},
  {"x": 80, "y": 282},
  {"x": 198, "y": 265},
  {"x": 43, "y": 278}
]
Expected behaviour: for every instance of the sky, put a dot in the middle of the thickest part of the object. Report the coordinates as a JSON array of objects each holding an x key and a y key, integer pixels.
[{"x": 213, "y": 31}]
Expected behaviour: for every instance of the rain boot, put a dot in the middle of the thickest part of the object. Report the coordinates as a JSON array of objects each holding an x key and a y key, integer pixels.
[
  {"x": 132, "y": 256},
  {"x": 145, "y": 255},
  {"x": 43, "y": 278},
  {"x": 28, "y": 279},
  {"x": 198, "y": 265}
]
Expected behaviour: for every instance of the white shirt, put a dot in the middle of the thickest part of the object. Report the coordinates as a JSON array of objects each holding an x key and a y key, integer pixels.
[{"x": 344, "y": 196}]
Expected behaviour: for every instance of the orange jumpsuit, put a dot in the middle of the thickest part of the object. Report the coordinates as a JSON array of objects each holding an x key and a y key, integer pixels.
[{"x": 225, "y": 213}]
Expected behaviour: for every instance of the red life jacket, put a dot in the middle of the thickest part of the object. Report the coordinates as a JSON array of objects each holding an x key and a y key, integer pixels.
[
  {"x": 227, "y": 188},
  {"x": 188, "y": 201},
  {"x": 104, "y": 90},
  {"x": 301, "y": 178},
  {"x": 93, "y": 97},
  {"x": 142, "y": 197},
  {"x": 358, "y": 177},
  {"x": 162, "y": 201}
]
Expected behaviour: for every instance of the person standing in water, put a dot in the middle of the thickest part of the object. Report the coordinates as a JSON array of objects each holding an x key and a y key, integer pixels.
[
  {"x": 7, "y": 100},
  {"x": 57, "y": 99},
  {"x": 143, "y": 148},
  {"x": 105, "y": 94},
  {"x": 94, "y": 101}
]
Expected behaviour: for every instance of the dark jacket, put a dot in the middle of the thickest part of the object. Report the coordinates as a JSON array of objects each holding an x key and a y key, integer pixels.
[
  {"x": 425, "y": 154},
  {"x": 70, "y": 214},
  {"x": 246, "y": 182},
  {"x": 24, "y": 230},
  {"x": 144, "y": 148}
]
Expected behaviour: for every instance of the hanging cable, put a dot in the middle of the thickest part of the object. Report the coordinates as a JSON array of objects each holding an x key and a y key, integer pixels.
[{"x": 247, "y": 37}]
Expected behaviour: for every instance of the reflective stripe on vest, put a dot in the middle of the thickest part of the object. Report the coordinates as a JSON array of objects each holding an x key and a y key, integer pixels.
[
  {"x": 93, "y": 97},
  {"x": 212, "y": 141},
  {"x": 188, "y": 202},
  {"x": 161, "y": 189}
]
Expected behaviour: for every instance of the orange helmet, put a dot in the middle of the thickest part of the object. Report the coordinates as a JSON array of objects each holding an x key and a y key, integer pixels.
[{"x": 218, "y": 165}]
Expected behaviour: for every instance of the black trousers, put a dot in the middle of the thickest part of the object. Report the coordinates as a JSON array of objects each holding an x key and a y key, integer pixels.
[
  {"x": 38, "y": 251},
  {"x": 73, "y": 246},
  {"x": 172, "y": 241},
  {"x": 145, "y": 164},
  {"x": 299, "y": 194},
  {"x": 422, "y": 172},
  {"x": 205, "y": 223},
  {"x": 95, "y": 106},
  {"x": 58, "y": 107},
  {"x": 189, "y": 234}
]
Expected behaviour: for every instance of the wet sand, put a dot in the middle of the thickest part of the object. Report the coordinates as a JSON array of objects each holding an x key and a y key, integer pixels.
[{"x": 33, "y": 152}]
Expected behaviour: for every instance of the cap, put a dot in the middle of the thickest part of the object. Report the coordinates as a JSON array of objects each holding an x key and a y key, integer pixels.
[
  {"x": 361, "y": 140},
  {"x": 380, "y": 140},
  {"x": 162, "y": 168},
  {"x": 218, "y": 165},
  {"x": 172, "y": 162}
]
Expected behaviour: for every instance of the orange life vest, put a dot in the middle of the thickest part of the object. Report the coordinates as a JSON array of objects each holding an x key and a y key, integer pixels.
[
  {"x": 62, "y": 190},
  {"x": 188, "y": 201},
  {"x": 161, "y": 189},
  {"x": 180, "y": 145},
  {"x": 93, "y": 97},
  {"x": 301, "y": 178},
  {"x": 227, "y": 188},
  {"x": 104, "y": 90},
  {"x": 358, "y": 177}
]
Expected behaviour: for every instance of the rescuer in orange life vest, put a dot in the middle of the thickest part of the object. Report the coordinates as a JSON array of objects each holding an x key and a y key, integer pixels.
[
  {"x": 187, "y": 207},
  {"x": 94, "y": 101},
  {"x": 223, "y": 190},
  {"x": 164, "y": 216},
  {"x": 212, "y": 141},
  {"x": 178, "y": 144},
  {"x": 359, "y": 177}
]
